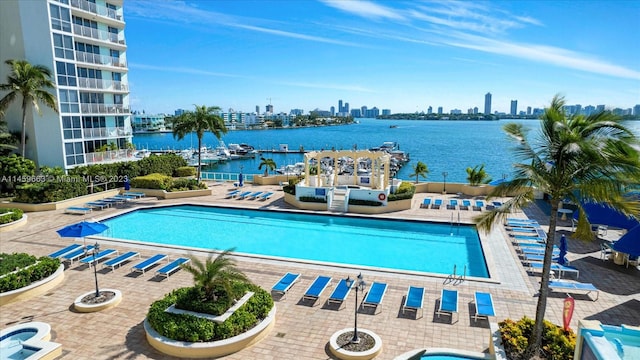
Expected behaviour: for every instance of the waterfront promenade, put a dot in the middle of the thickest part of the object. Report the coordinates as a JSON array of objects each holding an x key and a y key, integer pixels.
[{"x": 302, "y": 331}]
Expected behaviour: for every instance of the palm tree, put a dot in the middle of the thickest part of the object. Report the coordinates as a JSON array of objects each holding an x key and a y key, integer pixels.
[
  {"x": 593, "y": 158},
  {"x": 420, "y": 169},
  {"x": 477, "y": 175},
  {"x": 202, "y": 119},
  {"x": 269, "y": 165},
  {"x": 214, "y": 273},
  {"x": 30, "y": 82}
]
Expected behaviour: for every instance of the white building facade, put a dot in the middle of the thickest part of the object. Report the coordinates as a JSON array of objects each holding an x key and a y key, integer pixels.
[{"x": 83, "y": 43}]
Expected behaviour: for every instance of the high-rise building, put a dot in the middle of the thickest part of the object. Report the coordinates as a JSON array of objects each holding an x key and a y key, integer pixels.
[
  {"x": 84, "y": 46},
  {"x": 514, "y": 107},
  {"x": 339, "y": 106},
  {"x": 487, "y": 104},
  {"x": 332, "y": 110},
  {"x": 636, "y": 110},
  {"x": 429, "y": 110},
  {"x": 386, "y": 112},
  {"x": 439, "y": 110},
  {"x": 346, "y": 108},
  {"x": 528, "y": 110},
  {"x": 257, "y": 109},
  {"x": 269, "y": 109},
  {"x": 179, "y": 112}
]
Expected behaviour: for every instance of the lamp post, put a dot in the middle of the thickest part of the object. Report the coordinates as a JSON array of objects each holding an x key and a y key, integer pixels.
[
  {"x": 95, "y": 267},
  {"x": 444, "y": 182},
  {"x": 360, "y": 284}
]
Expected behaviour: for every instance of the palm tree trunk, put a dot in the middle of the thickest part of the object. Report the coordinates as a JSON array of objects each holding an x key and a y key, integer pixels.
[
  {"x": 535, "y": 342},
  {"x": 24, "y": 125},
  {"x": 199, "y": 157}
]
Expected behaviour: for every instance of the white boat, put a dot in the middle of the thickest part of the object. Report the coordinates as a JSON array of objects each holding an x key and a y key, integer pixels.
[{"x": 293, "y": 170}]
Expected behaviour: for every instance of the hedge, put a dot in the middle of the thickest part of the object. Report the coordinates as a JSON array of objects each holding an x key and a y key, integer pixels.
[
  {"x": 185, "y": 171},
  {"x": 557, "y": 343},
  {"x": 186, "y": 184},
  {"x": 43, "y": 268},
  {"x": 406, "y": 190},
  {"x": 312, "y": 199},
  {"x": 152, "y": 181},
  {"x": 62, "y": 188},
  {"x": 16, "y": 214}
]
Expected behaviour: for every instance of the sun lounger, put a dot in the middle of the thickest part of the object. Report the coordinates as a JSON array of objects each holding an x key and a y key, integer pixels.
[
  {"x": 316, "y": 288},
  {"x": 340, "y": 293},
  {"x": 414, "y": 299},
  {"x": 92, "y": 259},
  {"x": 426, "y": 203},
  {"x": 233, "y": 193},
  {"x": 453, "y": 204},
  {"x": 528, "y": 230},
  {"x": 522, "y": 225},
  {"x": 436, "y": 204},
  {"x": 120, "y": 259},
  {"x": 172, "y": 267},
  {"x": 538, "y": 251},
  {"x": 146, "y": 264},
  {"x": 466, "y": 204},
  {"x": 527, "y": 237},
  {"x": 285, "y": 283},
  {"x": 134, "y": 194},
  {"x": 522, "y": 220},
  {"x": 243, "y": 195},
  {"x": 77, "y": 210},
  {"x": 114, "y": 200},
  {"x": 254, "y": 195},
  {"x": 496, "y": 203},
  {"x": 484, "y": 305},
  {"x": 569, "y": 287},
  {"x": 538, "y": 258},
  {"x": 98, "y": 205},
  {"x": 375, "y": 295},
  {"x": 76, "y": 254},
  {"x": 59, "y": 253},
  {"x": 448, "y": 303},
  {"x": 479, "y": 205},
  {"x": 560, "y": 269},
  {"x": 265, "y": 196}
]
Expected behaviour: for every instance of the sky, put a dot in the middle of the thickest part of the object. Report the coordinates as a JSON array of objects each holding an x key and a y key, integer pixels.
[{"x": 399, "y": 55}]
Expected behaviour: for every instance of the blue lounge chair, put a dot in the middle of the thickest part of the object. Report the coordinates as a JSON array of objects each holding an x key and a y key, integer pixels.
[
  {"x": 484, "y": 305},
  {"x": 172, "y": 267},
  {"x": 243, "y": 195},
  {"x": 414, "y": 299},
  {"x": 496, "y": 203},
  {"x": 479, "y": 205},
  {"x": 448, "y": 303},
  {"x": 114, "y": 200},
  {"x": 93, "y": 260},
  {"x": 121, "y": 259},
  {"x": 526, "y": 230},
  {"x": 146, "y": 264},
  {"x": 134, "y": 194},
  {"x": 453, "y": 204},
  {"x": 233, "y": 193},
  {"x": 526, "y": 258},
  {"x": 76, "y": 254},
  {"x": 374, "y": 296},
  {"x": 522, "y": 225},
  {"x": 77, "y": 210},
  {"x": 316, "y": 288},
  {"x": 436, "y": 204},
  {"x": 528, "y": 237},
  {"x": 466, "y": 204},
  {"x": 285, "y": 283},
  {"x": 340, "y": 293},
  {"x": 125, "y": 197},
  {"x": 254, "y": 195},
  {"x": 522, "y": 220},
  {"x": 538, "y": 251},
  {"x": 265, "y": 196},
  {"x": 98, "y": 205},
  {"x": 561, "y": 269},
  {"x": 59, "y": 253},
  {"x": 569, "y": 286},
  {"x": 425, "y": 203}
]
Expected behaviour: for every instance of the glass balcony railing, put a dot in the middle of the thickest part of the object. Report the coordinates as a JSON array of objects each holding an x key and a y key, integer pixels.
[
  {"x": 110, "y": 156},
  {"x": 104, "y": 109},
  {"x": 101, "y": 84},
  {"x": 96, "y": 9},
  {"x": 100, "y": 59},
  {"x": 106, "y": 132},
  {"x": 97, "y": 34}
]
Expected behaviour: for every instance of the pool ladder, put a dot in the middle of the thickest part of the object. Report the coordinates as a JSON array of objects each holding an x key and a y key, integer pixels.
[
  {"x": 452, "y": 223},
  {"x": 453, "y": 278}
]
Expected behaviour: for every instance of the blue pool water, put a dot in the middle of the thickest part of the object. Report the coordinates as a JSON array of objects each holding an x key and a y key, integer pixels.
[
  {"x": 392, "y": 244},
  {"x": 11, "y": 347},
  {"x": 445, "y": 357}
]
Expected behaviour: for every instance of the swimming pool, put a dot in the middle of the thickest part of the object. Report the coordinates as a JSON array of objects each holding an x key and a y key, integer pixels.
[{"x": 380, "y": 243}]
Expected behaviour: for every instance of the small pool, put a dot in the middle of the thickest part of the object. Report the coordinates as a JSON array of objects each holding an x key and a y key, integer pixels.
[
  {"x": 444, "y": 354},
  {"x": 27, "y": 341},
  {"x": 606, "y": 342},
  {"x": 414, "y": 246}
]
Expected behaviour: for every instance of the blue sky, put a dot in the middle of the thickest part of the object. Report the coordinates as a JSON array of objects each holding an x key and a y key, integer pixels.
[{"x": 397, "y": 55}]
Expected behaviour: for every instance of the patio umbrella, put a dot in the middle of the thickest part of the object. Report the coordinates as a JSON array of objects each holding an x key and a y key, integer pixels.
[
  {"x": 82, "y": 229},
  {"x": 562, "y": 260},
  {"x": 240, "y": 180},
  {"x": 127, "y": 184}
]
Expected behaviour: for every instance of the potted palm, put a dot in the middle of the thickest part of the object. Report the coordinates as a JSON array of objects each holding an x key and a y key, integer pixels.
[
  {"x": 477, "y": 178},
  {"x": 268, "y": 164}
]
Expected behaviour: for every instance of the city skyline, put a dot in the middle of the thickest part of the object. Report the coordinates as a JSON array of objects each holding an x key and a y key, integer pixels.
[{"x": 392, "y": 55}]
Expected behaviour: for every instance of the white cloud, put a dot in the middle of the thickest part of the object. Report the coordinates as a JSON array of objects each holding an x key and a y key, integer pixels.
[{"x": 365, "y": 9}]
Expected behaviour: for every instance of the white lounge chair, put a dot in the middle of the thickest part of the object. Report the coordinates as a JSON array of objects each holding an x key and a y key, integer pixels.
[
  {"x": 148, "y": 263},
  {"x": 448, "y": 303},
  {"x": 284, "y": 284},
  {"x": 172, "y": 267},
  {"x": 414, "y": 299},
  {"x": 121, "y": 259},
  {"x": 570, "y": 286},
  {"x": 484, "y": 305}
]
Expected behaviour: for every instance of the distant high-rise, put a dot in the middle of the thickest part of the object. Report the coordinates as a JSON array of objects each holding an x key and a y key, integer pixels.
[
  {"x": 179, "y": 112},
  {"x": 528, "y": 110},
  {"x": 429, "y": 110},
  {"x": 439, "y": 110},
  {"x": 475, "y": 110},
  {"x": 636, "y": 110},
  {"x": 257, "y": 109},
  {"x": 333, "y": 110},
  {"x": 339, "y": 105},
  {"x": 386, "y": 112},
  {"x": 487, "y": 104},
  {"x": 269, "y": 109},
  {"x": 514, "y": 107},
  {"x": 346, "y": 108}
]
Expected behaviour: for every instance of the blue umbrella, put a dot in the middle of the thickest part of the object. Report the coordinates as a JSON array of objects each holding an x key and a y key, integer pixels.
[
  {"x": 240, "y": 180},
  {"x": 127, "y": 184},
  {"x": 82, "y": 229},
  {"x": 562, "y": 260}
]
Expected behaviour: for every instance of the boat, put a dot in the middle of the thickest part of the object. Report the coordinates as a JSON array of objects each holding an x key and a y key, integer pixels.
[
  {"x": 293, "y": 170},
  {"x": 241, "y": 151},
  {"x": 393, "y": 126}
]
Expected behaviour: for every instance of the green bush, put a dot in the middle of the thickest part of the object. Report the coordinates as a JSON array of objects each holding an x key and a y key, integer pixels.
[
  {"x": 557, "y": 343},
  {"x": 12, "y": 168},
  {"x": 312, "y": 199},
  {"x": 195, "y": 299},
  {"x": 12, "y": 262},
  {"x": 364, "y": 202},
  {"x": 152, "y": 181},
  {"x": 163, "y": 164},
  {"x": 44, "y": 267},
  {"x": 406, "y": 190},
  {"x": 291, "y": 187},
  {"x": 185, "y": 171},
  {"x": 195, "y": 329},
  {"x": 16, "y": 214},
  {"x": 50, "y": 186},
  {"x": 186, "y": 184}
]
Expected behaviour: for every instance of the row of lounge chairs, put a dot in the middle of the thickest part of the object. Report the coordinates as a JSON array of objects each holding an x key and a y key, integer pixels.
[
  {"x": 413, "y": 300},
  {"x": 104, "y": 203},
  {"x": 251, "y": 195},
  {"x": 77, "y": 252},
  {"x": 453, "y": 204}
]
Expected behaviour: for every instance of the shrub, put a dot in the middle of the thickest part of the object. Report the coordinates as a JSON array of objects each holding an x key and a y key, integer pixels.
[
  {"x": 50, "y": 186},
  {"x": 163, "y": 164},
  {"x": 186, "y": 184},
  {"x": 14, "y": 167},
  {"x": 185, "y": 171},
  {"x": 16, "y": 214},
  {"x": 291, "y": 187},
  {"x": 43, "y": 268},
  {"x": 312, "y": 199},
  {"x": 557, "y": 343},
  {"x": 364, "y": 202},
  {"x": 12, "y": 262},
  {"x": 152, "y": 181},
  {"x": 406, "y": 190}
]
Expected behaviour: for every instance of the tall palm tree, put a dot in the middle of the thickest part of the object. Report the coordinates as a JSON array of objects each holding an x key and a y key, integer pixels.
[
  {"x": 420, "y": 169},
  {"x": 199, "y": 121},
  {"x": 591, "y": 158},
  {"x": 30, "y": 82},
  {"x": 213, "y": 273},
  {"x": 269, "y": 165}
]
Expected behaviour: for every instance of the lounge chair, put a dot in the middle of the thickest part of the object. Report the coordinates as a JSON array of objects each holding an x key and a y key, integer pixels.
[
  {"x": 98, "y": 205},
  {"x": 496, "y": 203},
  {"x": 59, "y": 253},
  {"x": 77, "y": 210},
  {"x": 340, "y": 293},
  {"x": 522, "y": 225},
  {"x": 436, "y": 204},
  {"x": 285, "y": 283},
  {"x": 76, "y": 254},
  {"x": 146, "y": 264},
  {"x": 479, "y": 205},
  {"x": 244, "y": 194},
  {"x": 265, "y": 196},
  {"x": 135, "y": 194},
  {"x": 605, "y": 251},
  {"x": 484, "y": 305},
  {"x": 121, "y": 259},
  {"x": 528, "y": 258},
  {"x": 466, "y": 204},
  {"x": 453, "y": 204},
  {"x": 528, "y": 237},
  {"x": 561, "y": 269},
  {"x": 231, "y": 194},
  {"x": 125, "y": 197},
  {"x": 92, "y": 259},
  {"x": 522, "y": 220},
  {"x": 414, "y": 299},
  {"x": 569, "y": 286},
  {"x": 254, "y": 195},
  {"x": 172, "y": 267},
  {"x": 426, "y": 203},
  {"x": 528, "y": 230},
  {"x": 375, "y": 295},
  {"x": 448, "y": 303},
  {"x": 114, "y": 200},
  {"x": 538, "y": 251},
  {"x": 316, "y": 288}
]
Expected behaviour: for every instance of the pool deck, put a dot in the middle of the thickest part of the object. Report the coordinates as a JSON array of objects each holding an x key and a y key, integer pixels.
[{"x": 303, "y": 331}]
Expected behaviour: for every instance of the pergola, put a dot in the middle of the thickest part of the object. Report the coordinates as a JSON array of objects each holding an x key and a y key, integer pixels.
[{"x": 379, "y": 178}]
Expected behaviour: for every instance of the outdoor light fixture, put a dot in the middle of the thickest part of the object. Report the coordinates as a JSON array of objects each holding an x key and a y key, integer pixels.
[
  {"x": 96, "y": 248},
  {"x": 444, "y": 182},
  {"x": 360, "y": 284}
]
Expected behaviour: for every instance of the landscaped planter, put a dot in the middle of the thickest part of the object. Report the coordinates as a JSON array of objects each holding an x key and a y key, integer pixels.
[
  {"x": 35, "y": 289},
  {"x": 77, "y": 201},
  {"x": 343, "y": 354},
  {"x": 162, "y": 194},
  {"x": 79, "y": 306},
  {"x": 14, "y": 224},
  {"x": 212, "y": 349}
]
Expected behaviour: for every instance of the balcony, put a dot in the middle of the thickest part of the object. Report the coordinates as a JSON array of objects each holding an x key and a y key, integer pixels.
[
  {"x": 100, "y": 59},
  {"x": 96, "y": 9},
  {"x": 97, "y": 34},
  {"x": 109, "y": 156},
  {"x": 99, "y": 84},
  {"x": 106, "y": 132},
  {"x": 104, "y": 109}
]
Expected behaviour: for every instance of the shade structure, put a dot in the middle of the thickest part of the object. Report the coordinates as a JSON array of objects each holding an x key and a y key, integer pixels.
[
  {"x": 562, "y": 260},
  {"x": 82, "y": 229},
  {"x": 629, "y": 243},
  {"x": 599, "y": 213}
]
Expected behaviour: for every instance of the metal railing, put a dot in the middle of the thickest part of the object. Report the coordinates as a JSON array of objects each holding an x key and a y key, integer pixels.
[
  {"x": 96, "y": 9},
  {"x": 106, "y": 132},
  {"x": 102, "y": 84},
  {"x": 104, "y": 109},
  {"x": 110, "y": 156},
  {"x": 100, "y": 59},
  {"x": 216, "y": 176},
  {"x": 97, "y": 34}
]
